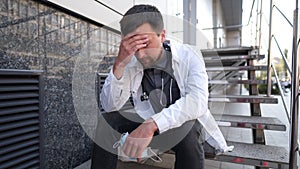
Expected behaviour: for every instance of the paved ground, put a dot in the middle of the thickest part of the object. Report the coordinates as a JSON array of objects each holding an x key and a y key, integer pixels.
[{"x": 236, "y": 134}]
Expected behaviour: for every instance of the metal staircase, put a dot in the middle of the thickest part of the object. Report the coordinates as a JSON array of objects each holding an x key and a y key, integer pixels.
[{"x": 257, "y": 154}]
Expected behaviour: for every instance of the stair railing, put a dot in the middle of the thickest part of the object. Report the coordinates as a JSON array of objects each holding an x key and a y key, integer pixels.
[
  {"x": 282, "y": 14},
  {"x": 282, "y": 55},
  {"x": 271, "y": 36},
  {"x": 281, "y": 93},
  {"x": 277, "y": 78},
  {"x": 294, "y": 103}
]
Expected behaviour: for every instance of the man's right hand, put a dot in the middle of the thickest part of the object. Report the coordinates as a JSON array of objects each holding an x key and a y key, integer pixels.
[{"x": 129, "y": 45}]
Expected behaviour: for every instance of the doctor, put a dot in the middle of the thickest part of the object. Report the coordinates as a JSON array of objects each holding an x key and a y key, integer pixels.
[{"x": 168, "y": 84}]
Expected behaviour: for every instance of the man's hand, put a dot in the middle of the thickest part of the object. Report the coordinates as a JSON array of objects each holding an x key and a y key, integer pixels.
[
  {"x": 139, "y": 139},
  {"x": 129, "y": 45}
]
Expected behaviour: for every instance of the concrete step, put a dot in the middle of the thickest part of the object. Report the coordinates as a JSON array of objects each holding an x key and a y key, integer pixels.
[
  {"x": 242, "y": 99},
  {"x": 231, "y": 57},
  {"x": 256, "y": 155},
  {"x": 167, "y": 163},
  {"x": 253, "y": 122},
  {"x": 235, "y": 68},
  {"x": 243, "y": 153},
  {"x": 235, "y": 81}
]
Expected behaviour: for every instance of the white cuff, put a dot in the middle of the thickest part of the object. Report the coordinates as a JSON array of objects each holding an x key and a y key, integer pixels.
[{"x": 161, "y": 122}]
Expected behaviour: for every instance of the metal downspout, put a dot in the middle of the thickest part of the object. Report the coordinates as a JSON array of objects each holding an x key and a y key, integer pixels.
[{"x": 294, "y": 94}]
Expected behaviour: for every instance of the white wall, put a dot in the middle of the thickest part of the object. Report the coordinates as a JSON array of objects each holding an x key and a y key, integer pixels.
[
  {"x": 233, "y": 38},
  {"x": 205, "y": 20}
]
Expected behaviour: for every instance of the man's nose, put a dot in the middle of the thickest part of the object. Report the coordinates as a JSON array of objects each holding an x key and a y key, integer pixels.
[{"x": 140, "y": 53}]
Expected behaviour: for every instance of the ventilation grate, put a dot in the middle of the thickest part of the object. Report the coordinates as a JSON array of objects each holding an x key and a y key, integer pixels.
[{"x": 20, "y": 119}]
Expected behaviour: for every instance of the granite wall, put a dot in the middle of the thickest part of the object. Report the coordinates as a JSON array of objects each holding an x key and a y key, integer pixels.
[{"x": 35, "y": 35}]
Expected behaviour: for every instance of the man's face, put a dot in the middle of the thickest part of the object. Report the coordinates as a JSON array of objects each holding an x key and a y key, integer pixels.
[{"x": 151, "y": 53}]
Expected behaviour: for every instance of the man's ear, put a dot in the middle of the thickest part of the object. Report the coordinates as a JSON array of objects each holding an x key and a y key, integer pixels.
[{"x": 163, "y": 35}]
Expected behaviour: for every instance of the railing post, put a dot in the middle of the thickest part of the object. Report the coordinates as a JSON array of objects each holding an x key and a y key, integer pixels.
[
  {"x": 269, "y": 72},
  {"x": 260, "y": 19},
  {"x": 294, "y": 94}
]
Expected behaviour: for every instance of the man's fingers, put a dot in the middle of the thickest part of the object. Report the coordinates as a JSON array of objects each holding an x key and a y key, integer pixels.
[
  {"x": 137, "y": 47},
  {"x": 128, "y": 148},
  {"x": 133, "y": 151},
  {"x": 131, "y": 148},
  {"x": 130, "y": 46},
  {"x": 138, "y": 42},
  {"x": 135, "y": 38},
  {"x": 139, "y": 152}
]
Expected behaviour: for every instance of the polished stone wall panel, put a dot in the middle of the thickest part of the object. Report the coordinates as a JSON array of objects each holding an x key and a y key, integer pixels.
[{"x": 36, "y": 36}]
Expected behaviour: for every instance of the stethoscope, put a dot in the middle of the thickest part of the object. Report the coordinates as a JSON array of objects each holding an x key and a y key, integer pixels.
[{"x": 145, "y": 97}]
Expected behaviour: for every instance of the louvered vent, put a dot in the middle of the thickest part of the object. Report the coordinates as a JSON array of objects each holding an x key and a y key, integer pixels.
[
  {"x": 101, "y": 80},
  {"x": 19, "y": 119}
]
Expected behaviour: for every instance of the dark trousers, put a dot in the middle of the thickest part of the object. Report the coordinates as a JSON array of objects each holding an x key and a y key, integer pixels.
[{"x": 188, "y": 150}]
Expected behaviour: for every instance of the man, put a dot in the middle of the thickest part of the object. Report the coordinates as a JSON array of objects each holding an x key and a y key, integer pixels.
[{"x": 168, "y": 84}]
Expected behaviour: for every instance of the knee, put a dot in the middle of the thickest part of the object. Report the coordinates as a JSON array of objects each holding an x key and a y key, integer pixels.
[{"x": 193, "y": 140}]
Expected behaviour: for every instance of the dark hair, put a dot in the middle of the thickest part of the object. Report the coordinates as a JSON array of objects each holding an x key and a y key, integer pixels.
[{"x": 140, "y": 14}]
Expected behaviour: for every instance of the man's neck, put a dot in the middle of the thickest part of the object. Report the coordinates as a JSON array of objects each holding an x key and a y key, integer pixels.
[{"x": 161, "y": 55}]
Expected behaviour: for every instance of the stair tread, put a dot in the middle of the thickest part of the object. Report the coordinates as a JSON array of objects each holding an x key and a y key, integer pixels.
[
  {"x": 244, "y": 50},
  {"x": 243, "y": 98},
  {"x": 256, "y": 152},
  {"x": 236, "y": 81},
  {"x": 243, "y": 153},
  {"x": 230, "y": 58},
  {"x": 235, "y": 68},
  {"x": 257, "y": 122}
]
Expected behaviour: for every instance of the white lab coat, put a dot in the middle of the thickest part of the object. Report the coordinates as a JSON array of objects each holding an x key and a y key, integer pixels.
[{"x": 192, "y": 80}]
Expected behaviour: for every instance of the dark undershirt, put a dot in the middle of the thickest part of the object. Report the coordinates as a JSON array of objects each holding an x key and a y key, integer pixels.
[{"x": 159, "y": 78}]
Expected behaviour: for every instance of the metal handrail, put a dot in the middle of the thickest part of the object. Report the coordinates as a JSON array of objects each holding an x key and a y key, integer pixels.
[
  {"x": 283, "y": 15},
  {"x": 269, "y": 74},
  {"x": 250, "y": 16},
  {"x": 283, "y": 57},
  {"x": 281, "y": 93}
]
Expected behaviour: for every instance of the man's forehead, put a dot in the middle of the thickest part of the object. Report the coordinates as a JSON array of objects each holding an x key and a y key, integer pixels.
[
  {"x": 144, "y": 28},
  {"x": 147, "y": 33}
]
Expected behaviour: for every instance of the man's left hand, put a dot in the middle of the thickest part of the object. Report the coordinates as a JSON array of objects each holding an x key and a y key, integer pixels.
[{"x": 139, "y": 139}]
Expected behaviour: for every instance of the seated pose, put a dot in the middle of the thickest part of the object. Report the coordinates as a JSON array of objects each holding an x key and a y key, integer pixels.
[{"x": 168, "y": 86}]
